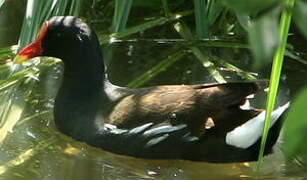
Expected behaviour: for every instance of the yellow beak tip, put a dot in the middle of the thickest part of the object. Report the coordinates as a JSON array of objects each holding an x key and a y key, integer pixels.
[{"x": 20, "y": 59}]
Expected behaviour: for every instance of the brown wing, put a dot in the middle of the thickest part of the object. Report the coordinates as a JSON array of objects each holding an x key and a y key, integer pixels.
[
  {"x": 193, "y": 105},
  {"x": 156, "y": 107}
]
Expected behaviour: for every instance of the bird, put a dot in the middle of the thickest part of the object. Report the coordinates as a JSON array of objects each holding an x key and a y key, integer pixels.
[{"x": 202, "y": 122}]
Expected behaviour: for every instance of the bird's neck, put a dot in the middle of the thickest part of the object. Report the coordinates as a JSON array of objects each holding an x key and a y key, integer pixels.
[
  {"x": 84, "y": 73},
  {"x": 79, "y": 100}
]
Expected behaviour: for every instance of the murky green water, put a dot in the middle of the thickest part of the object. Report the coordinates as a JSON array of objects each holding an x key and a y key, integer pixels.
[{"x": 34, "y": 149}]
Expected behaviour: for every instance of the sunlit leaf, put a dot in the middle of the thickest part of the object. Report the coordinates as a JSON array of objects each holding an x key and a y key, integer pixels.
[
  {"x": 1, "y": 2},
  {"x": 295, "y": 132}
]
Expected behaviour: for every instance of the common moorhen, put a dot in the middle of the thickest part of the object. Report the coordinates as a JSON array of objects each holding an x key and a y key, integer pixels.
[{"x": 202, "y": 122}]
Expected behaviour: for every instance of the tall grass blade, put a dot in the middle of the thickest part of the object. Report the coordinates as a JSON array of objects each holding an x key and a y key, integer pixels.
[
  {"x": 61, "y": 7},
  {"x": 206, "y": 13},
  {"x": 28, "y": 27},
  {"x": 243, "y": 74},
  {"x": 214, "y": 9},
  {"x": 166, "y": 8},
  {"x": 202, "y": 56},
  {"x": 164, "y": 64},
  {"x": 202, "y": 25},
  {"x": 47, "y": 10},
  {"x": 39, "y": 11},
  {"x": 275, "y": 74},
  {"x": 121, "y": 14},
  {"x": 142, "y": 27},
  {"x": 119, "y": 22},
  {"x": 75, "y": 7}
]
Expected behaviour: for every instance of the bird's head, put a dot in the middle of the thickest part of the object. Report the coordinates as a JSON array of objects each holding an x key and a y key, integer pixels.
[{"x": 59, "y": 37}]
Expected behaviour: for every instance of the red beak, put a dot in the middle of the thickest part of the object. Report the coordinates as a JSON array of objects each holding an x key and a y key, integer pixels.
[{"x": 34, "y": 49}]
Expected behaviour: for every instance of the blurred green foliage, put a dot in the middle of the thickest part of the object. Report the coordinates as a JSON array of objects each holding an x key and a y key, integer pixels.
[
  {"x": 251, "y": 6},
  {"x": 300, "y": 13},
  {"x": 295, "y": 133}
]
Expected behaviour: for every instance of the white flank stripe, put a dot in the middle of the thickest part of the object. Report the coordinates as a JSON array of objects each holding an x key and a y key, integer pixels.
[{"x": 248, "y": 133}]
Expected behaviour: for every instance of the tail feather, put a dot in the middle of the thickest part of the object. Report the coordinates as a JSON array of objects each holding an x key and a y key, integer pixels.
[{"x": 247, "y": 134}]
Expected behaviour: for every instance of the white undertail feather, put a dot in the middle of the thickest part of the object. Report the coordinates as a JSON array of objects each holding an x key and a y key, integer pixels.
[
  {"x": 246, "y": 105},
  {"x": 247, "y": 134}
]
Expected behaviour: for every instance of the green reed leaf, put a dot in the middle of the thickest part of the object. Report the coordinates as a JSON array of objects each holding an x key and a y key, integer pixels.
[{"x": 275, "y": 74}]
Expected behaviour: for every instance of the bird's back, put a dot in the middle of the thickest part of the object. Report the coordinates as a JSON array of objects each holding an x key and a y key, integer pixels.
[{"x": 193, "y": 105}]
